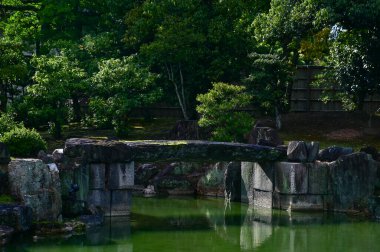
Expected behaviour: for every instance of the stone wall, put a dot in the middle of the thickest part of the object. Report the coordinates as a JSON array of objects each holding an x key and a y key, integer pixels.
[{"x": 343, "y": 185}]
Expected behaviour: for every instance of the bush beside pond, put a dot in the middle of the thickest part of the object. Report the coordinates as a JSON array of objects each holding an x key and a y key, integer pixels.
[{"x": 23, "y": 142}]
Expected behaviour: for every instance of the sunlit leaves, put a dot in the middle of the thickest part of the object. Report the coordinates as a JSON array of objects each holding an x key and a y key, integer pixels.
[{"x": 219, "y": 110}]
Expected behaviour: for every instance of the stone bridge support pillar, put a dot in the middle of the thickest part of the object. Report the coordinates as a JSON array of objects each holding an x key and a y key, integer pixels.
[{"x": 110, "y": 187}]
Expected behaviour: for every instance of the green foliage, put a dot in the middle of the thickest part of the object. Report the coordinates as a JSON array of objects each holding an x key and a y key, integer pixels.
[
  {"x": 189, "y": 44},
  {"x": 192, "y": 43},
  {"x": 268, "y": 82},
  {"x": 119, "y": 86},
  {"x": 7, "y": 123},
  {"x": 354, "y": 52},
  {"x": 23, "y": 142},
  {"x": 285, "y": 24},
  {"x": 219, "y": 110},
  {"x": 354, "y": 70},
  {"x": 315, "y": 48},
  {"x": 57, "y": 79},
  {"x": 13, "y": 70}
]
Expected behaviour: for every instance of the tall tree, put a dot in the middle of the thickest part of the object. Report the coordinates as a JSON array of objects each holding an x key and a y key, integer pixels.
[
  {"x": 192, "y": 43},
  {"x": 13, "y": 71},
  {"x": 56, "y": 80}
]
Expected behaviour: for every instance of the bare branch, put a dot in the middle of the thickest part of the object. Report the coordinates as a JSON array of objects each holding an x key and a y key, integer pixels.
[{"x": 182, "y": 86}]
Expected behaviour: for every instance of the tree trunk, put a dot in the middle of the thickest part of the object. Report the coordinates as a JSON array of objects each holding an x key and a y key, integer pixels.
[
  {"x": 76, "y": 109},
  {"x": 3, "y": 97},
  {"x": 179, "y": 89},
  {"x": 278, "y": 118}
]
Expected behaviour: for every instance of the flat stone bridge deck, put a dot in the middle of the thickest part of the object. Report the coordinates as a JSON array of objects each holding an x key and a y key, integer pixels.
[{"x": 105, "y": 151}]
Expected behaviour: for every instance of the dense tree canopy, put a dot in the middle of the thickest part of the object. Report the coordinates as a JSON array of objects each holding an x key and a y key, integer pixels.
[{"x": 115, "y": 55}]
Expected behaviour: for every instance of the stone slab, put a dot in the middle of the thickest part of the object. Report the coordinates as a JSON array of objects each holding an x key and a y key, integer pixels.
[
  {"x": 97, "y": 176},
  {"x": 312, "y": 151},
  {"x": 263, "y": 176},
  {"x": 120, "y": 205},
  {"x": 291, "y": 178},
  {"x": 121, "y": 175},
  {"x": 101, "y": 151},
  {"x": 262, "y": 199},
  {"x": 247, "y": 182},
  {"x": 297, "y": 151},
  {"x": 97, "y": 198},
  {"x": 318, "y": 178}
]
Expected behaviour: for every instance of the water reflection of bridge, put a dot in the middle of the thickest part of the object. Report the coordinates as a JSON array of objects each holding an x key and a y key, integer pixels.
[{"x": 207, "y": 224}]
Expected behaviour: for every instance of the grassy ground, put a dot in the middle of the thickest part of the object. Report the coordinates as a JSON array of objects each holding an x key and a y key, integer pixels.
[{"x": 341, "y": 129}]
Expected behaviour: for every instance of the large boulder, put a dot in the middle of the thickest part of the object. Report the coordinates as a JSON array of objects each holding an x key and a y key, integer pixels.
[
  {"x": 58, "y": 155},
  {"x": 45, "y": 157},
  {"x": 352, "y": 181},
  {"x": 144, "y": 173},
  {"x": 333, "y": 153},
  {"x": 35, "y": 185},
  {"x": 301, "y": 151},
  {"x": 16, "y": 216},
  {"x": 264, "y": 136},
  {"x": 297, "y": 151}
]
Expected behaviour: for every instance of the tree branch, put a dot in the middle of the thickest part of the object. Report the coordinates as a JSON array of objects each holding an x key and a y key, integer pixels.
[{"x": 182, "y": 87}]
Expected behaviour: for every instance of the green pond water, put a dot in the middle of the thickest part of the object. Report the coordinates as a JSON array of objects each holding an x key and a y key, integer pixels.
[{"x": 196, "y": 225}]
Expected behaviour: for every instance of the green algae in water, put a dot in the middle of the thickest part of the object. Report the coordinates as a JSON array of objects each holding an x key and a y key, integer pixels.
[{"x": 196, "y": 225}]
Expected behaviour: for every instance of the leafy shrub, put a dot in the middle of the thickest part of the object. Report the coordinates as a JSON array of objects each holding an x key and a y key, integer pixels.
[
  {"x": 23, "y": 142},
  {"x": 219, "y": 110},
  {"x": 119, "y": 86},
  {"x": 7, "y": 123}
]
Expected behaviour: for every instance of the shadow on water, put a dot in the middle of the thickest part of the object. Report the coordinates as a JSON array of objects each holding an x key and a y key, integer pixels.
[{"x": 198, "y": 224}]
